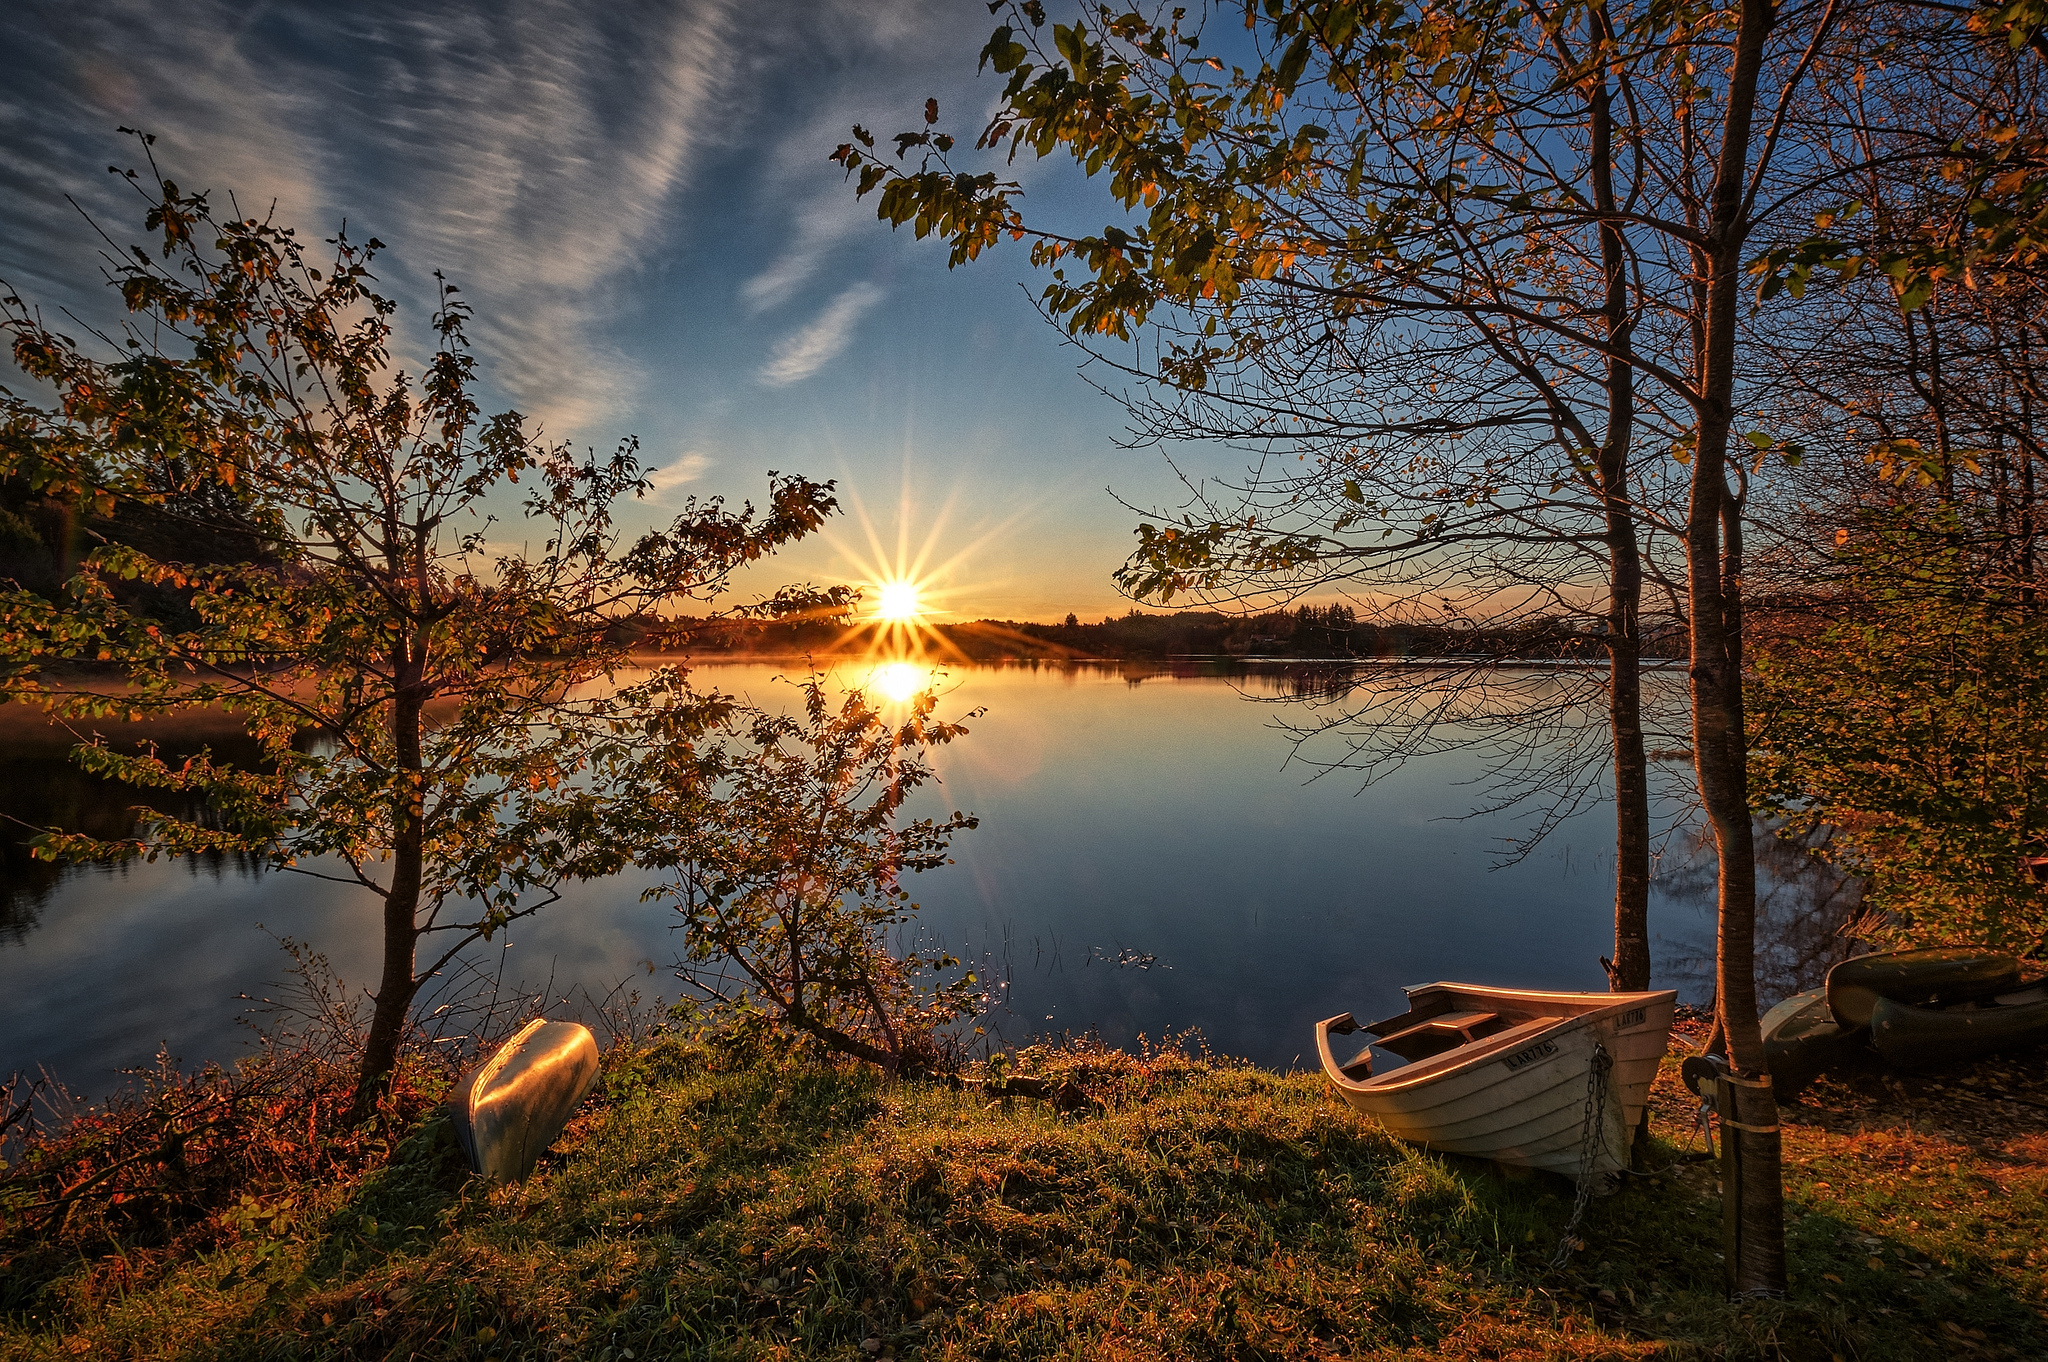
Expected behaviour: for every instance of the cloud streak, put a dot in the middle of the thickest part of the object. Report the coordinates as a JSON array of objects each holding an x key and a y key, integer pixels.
[
  {"x": 814, "y": 198},
  {"x": 533, "y": 149},
  {"x": 666, "y": 479},
  {"x": 538, "y": 148},
  {"x": 802, "y": 353}
]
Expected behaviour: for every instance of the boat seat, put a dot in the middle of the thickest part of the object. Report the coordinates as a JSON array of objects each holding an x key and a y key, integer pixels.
[{"x": 1463, "y": 1025}]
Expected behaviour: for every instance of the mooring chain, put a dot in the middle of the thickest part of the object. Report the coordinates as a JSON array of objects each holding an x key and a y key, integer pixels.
[{"x": 1589, "y": 1148}]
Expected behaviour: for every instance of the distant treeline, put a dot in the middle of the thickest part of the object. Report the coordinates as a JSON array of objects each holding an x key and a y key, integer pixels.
[
  {"x": 1308, "y": 631},
  {"x": 41, "y": 541}
]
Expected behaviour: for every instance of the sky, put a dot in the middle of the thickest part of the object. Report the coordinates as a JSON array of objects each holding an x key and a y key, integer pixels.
[{"x": 636, "y": 200}]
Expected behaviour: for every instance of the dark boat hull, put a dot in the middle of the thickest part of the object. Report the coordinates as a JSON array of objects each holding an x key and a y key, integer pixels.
[
  {"x": 1802, "y": 1040},
  {"x": 1931, "y": 975},
  {"x": 511, "y": 1108},
  {"x": 1929, "y": 1038}
]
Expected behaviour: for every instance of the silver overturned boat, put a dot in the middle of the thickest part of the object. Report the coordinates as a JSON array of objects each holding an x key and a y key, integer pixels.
[
  {"x": 1512, "y": 1075},
  {"x": 511, "y": 1107}
]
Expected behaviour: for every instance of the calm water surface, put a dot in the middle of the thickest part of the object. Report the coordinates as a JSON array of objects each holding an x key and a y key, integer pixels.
[{"x": 1148, "y": 861}]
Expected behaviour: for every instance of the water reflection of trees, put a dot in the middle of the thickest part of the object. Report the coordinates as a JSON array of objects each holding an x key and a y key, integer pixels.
[
  {"x": 1538, "y": 734},
  {"x": 40, "y": 788},
  {"x": 1539, "y": 737},
  {"x": 1806, "y": 913},
  {"x": 1538, "y": 730}
]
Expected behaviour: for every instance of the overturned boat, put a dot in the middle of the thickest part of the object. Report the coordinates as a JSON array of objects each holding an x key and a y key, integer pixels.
[
  {"x": 1927, "y": 976},
  {"x": 1803, "y": 1039},
  {"x": 1545, "y": 1080},
  {"x": 1912, "y": 1037},
  {"x": 511, "y": 1107}
]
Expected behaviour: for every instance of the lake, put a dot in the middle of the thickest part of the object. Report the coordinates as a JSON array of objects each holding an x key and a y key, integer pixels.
[{"x": 1153, "y": 857}]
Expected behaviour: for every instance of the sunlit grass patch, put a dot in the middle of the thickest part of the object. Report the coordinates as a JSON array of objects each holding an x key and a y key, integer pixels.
[{"x": 734, "y": 1205}]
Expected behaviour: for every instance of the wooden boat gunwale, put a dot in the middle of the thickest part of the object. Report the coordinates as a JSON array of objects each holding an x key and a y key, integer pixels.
[
  {"x": 1458, "y": 1101},
  {"x": 1417, "y": 1070},
  {"x": 1483, "y": 1048}
]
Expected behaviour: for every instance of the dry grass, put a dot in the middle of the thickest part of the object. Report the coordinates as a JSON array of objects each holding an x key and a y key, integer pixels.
[{"x": 722, "y": 1204}]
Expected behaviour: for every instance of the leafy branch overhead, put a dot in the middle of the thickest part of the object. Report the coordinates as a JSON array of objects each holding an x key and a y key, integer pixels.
[{"x": 1986, "y": 224}]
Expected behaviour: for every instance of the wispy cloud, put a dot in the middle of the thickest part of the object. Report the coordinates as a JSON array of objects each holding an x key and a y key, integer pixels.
[
  {"x": 799, "y": 355},
  {"x": 814, "y": 198},
  {"x": 666, "y": 479},
  {"x": 533, "y": 149},
  {"x": 78, "y": 71},
  {"x": 773, "y": 286},
  {"x": 537, "y": 149}
]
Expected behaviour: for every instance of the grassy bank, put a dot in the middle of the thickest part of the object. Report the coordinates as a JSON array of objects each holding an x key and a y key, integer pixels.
[{"x": 731, "y": 1205}]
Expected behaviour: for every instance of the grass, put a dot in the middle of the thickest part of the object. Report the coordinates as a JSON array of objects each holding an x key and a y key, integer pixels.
[{"x": 722, "y": 1204}]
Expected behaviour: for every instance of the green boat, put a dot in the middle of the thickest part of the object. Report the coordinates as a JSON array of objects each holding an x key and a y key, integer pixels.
[
  {"x": 1931, "y": 1038},
  {"x": 1931, "y": 976},
  {"x": 1802, "y": 1040}
]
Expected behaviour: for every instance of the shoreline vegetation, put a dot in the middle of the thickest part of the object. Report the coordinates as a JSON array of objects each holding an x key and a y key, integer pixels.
[
  {"x": 734, "y": 1198},
  {"x": 1304, "y": 635},
  {"x": 1308, "y": 633}
]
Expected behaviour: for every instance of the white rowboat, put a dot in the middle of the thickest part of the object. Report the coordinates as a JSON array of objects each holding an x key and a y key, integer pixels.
[
  {"x": 1505, "y": 1073},
  {"x": 514, "y": 1105}
]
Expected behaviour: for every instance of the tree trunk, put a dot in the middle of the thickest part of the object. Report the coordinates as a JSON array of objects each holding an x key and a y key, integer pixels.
[
  {"x": 1629, "y": 970},
  {"x": 1720, "y": 745},
  {"x": 397, "y": 984}
]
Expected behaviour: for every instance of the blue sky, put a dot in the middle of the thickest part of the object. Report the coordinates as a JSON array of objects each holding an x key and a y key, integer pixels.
[{"x": 636, "y": 200}]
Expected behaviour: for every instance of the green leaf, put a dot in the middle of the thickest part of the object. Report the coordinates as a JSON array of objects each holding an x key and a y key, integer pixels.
[
  {"x": 1003, "y": 52},
  {"x": 1292, "y": 63}
]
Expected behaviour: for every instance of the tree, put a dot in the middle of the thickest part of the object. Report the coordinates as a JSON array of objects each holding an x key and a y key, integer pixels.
[
  {"x": 1899, "y": 657},
  {"x": 1444, "y": 170},
  {"x": 784, "y": 855},
  {"x": 452, "y": 687},
  {"x": 1437, "y": 385},
  {"x": 1911, "y": 720}
]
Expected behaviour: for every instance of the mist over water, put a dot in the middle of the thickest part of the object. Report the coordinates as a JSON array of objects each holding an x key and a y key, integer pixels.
[{"x": 1149, "y": 861}]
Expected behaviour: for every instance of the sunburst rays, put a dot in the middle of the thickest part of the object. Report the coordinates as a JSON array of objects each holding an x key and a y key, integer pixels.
[{"x": 911, "y": 588}]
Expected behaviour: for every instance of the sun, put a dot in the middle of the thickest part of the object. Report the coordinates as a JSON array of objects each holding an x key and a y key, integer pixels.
[
  {"x": 898, "y": 601},
  {"x": 909, "y": 593}
]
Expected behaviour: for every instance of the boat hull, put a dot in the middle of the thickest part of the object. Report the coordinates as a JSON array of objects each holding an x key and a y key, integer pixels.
[
  {"x": 1930, "y": 974},
  {"x": 512, "y": 1107},
  {"x": 1802, "y": 1040},
  {"x": 1521, "y": 1096},
  {"x": 1930, "y": 1038}
]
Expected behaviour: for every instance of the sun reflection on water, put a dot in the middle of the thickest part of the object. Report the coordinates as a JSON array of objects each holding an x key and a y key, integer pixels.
[{"x": 897, "y": 682}]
